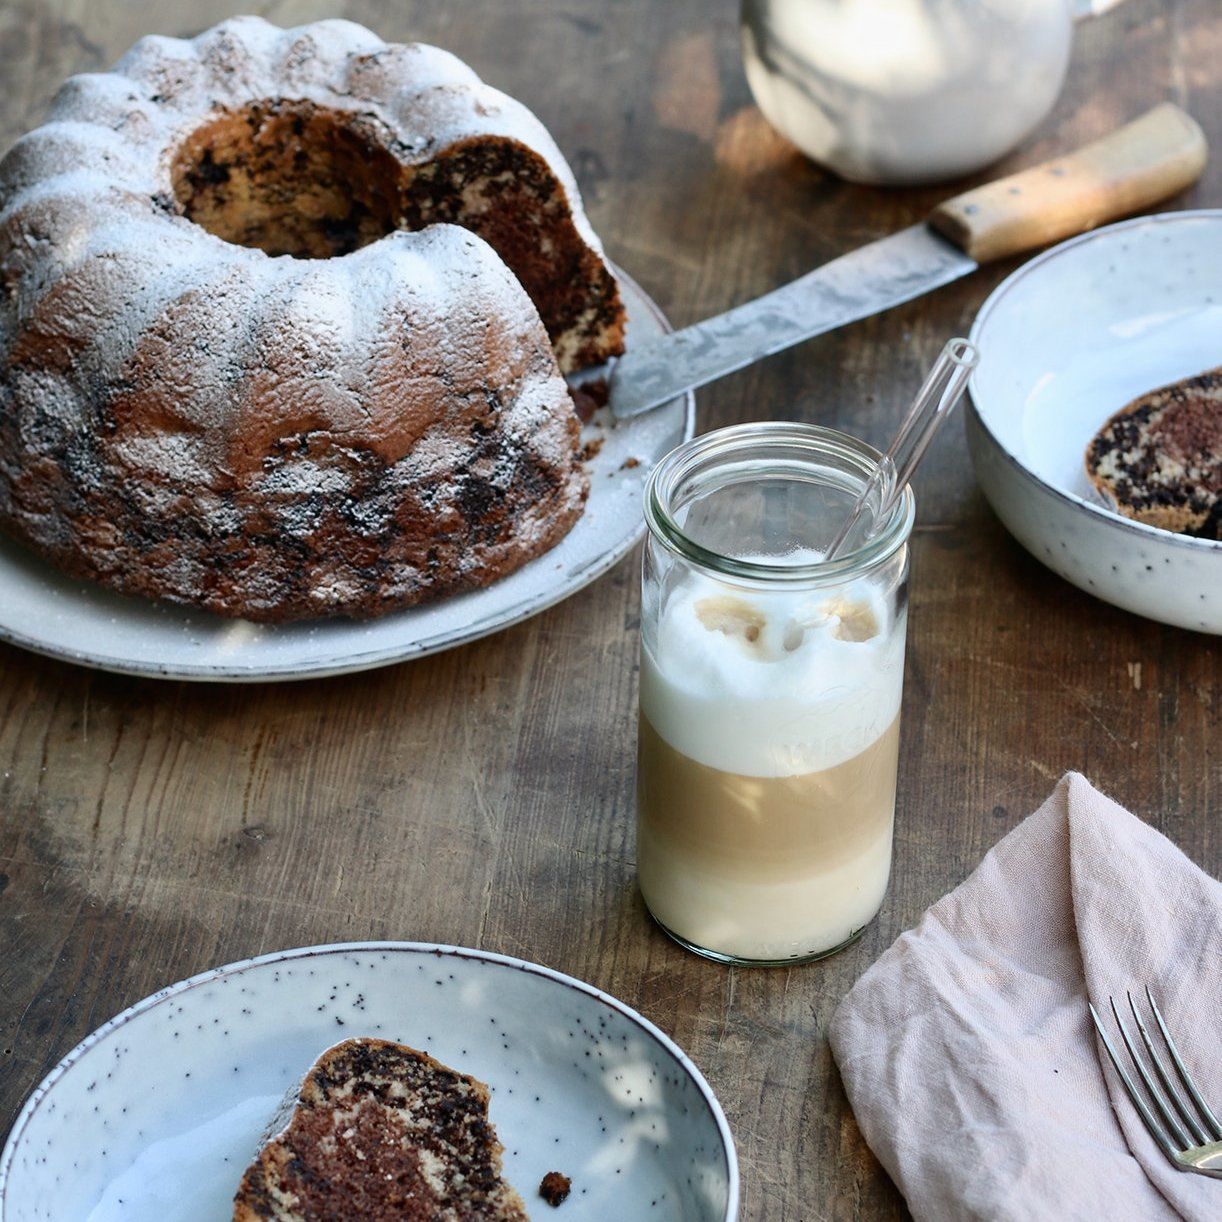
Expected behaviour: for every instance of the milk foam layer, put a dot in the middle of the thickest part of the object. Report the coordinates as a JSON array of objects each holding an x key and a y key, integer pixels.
[{"x": 772, "y": 683}]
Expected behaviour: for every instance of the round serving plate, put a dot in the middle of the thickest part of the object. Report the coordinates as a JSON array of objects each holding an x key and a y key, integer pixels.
[
  {"x": 45, "y": 611},
  {"x": 1066, "y": 341},
  {"x": 157, "y": 1114}
]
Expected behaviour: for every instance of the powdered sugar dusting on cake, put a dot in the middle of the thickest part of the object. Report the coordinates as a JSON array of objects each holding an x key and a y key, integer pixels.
[
  {"x": 67, "y": 147},
  {"x": 394, "y": 413},
  {"x": 377, "y": 75}
]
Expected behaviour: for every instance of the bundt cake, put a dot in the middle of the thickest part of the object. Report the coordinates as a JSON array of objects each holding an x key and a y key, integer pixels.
[
  {"x": 1159, "y": 459},
  {"x": 283, "y": 323},
  {"x": 381, "y": 1131}
]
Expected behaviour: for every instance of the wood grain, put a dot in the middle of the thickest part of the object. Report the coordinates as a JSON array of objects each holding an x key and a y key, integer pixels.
[{"x": 149, "y": 830}]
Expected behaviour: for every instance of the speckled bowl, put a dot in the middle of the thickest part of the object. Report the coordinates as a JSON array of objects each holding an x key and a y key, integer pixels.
[
  {"x": 1067, "y": 340},
  {"x": 157, "y": 1113}
]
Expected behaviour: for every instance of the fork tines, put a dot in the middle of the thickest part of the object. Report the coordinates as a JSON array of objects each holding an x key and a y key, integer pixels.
[{"x": 1189, "y": 1135}]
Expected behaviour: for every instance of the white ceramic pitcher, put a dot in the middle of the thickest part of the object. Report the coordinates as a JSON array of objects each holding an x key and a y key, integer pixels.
[{"x": 908, "y": 91}]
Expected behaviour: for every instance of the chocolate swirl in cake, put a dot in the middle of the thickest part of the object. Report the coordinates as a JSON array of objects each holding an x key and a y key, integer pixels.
[
  {"x": 381, "y": 1131},
  {"x": 1159, "y": 459}
]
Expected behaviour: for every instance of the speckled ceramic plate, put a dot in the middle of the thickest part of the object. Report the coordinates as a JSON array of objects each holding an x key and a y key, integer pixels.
[
  {"x": 157, "y": 1113},
  {"x": 42, "y": 610},
  {"x": 1067, "y": 340}
]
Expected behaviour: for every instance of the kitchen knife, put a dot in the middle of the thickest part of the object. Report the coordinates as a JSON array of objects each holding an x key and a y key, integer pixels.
[{"x": 1141, "y": 163}]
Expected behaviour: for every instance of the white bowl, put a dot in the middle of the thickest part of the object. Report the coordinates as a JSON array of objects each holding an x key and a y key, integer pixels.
[{"x": 1067, "y": 340}]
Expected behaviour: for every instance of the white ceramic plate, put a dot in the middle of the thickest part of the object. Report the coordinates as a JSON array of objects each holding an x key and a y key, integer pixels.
[
  {"x": 157, "y": 1114},
  {"x": 1067, "y": 340},
  {"x": 42, "y": 610}
]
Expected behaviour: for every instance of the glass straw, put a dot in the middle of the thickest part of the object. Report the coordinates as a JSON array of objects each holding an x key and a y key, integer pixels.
[{"x": 937, "y": 398}]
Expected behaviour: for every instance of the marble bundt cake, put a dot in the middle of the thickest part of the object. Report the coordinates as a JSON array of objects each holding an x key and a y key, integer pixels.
[
  {"x": 283, "y": 322},
  {"x": 380, "y": 1131}
]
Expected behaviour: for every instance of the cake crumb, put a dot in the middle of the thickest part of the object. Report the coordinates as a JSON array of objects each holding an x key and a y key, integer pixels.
[
  {"x": 589, "y": 397},
  {"x": 555, "y": 1188},
  {"x": 591, "y": 449},
  {"x": 629, "y": 463}
]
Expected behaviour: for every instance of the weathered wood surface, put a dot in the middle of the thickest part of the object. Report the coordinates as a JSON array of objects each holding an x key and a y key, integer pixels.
[{"x": 149, "y": 830}]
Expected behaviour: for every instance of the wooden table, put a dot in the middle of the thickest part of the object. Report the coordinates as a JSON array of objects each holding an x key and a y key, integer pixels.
[{"x": 149, "y": 830}]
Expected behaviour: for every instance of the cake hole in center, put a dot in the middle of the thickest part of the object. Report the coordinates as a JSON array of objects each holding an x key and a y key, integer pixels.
[{"x": 290, "y": 178}]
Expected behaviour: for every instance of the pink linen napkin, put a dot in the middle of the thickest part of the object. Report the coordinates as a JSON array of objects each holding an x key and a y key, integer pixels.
[{"x": 967, "y": 1051}]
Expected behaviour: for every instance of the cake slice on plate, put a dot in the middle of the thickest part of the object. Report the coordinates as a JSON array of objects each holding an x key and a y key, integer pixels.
[{"x": 381, "y": 1131}]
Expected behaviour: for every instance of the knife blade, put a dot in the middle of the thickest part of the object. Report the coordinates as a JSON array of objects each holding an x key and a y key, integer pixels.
[
  {"x": 866, "y": 281},
  {"x": 1141, "y": 163}
]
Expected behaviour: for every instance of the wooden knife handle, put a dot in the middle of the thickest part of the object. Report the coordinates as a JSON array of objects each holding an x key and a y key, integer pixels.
[{"x": 1141, "y": 163}]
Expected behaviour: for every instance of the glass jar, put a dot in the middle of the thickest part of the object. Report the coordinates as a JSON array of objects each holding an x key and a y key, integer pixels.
[{"x": 770, "y": 693}]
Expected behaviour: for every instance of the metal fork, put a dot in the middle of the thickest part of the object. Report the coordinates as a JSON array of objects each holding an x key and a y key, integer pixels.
[{"x": 1193, "y": 1141}]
